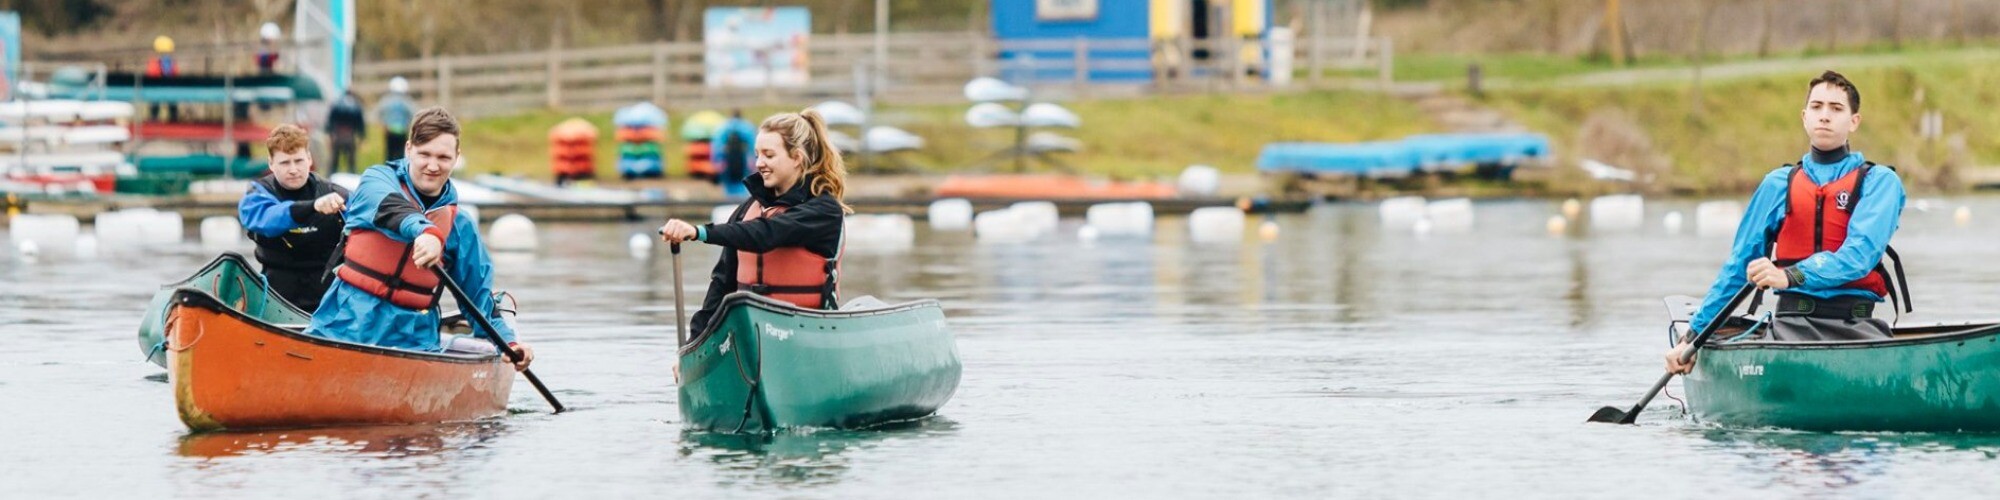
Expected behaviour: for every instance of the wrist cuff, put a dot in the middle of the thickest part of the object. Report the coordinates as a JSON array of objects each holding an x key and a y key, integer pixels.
[
  {"x": 701, "y": 233},
  {"x": 1794, "y": 276},
  {"x": 435, "y": 231}
]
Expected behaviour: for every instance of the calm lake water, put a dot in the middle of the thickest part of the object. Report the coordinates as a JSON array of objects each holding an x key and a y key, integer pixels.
[{"x": 1343, "y": 359}]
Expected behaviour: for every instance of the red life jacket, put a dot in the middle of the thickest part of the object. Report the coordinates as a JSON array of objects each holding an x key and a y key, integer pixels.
[
  {"x": 381, "y": 266},
  {"x": 790, "y": 274},
  {"x": 161, "y": 65},
  {"x": 1816, "y": 220}
]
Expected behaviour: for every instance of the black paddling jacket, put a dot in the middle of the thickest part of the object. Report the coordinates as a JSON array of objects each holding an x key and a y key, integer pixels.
[
  {"x": 810, "y": 222},
  {"x": 288, "y": 232}
]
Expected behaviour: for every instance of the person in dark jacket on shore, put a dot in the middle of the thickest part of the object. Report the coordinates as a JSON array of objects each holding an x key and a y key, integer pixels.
[
  {"x": 346, "y": 126},
  {"x": 294, "y": 217},
  {"x": 785, "y": 241}
]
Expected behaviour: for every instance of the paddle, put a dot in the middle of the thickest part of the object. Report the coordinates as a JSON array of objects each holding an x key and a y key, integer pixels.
[
  {"x": 479, "y": 317},
  {"x": 1611, "y": 415},
  {"x": 680, "y": 305}
]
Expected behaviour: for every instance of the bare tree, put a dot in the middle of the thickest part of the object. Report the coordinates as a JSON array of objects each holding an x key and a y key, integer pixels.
[
  {"x": 1702, "y": 9},
  {"x": 1764, "y": 35},
  {"x": 1896, "y": 23}
]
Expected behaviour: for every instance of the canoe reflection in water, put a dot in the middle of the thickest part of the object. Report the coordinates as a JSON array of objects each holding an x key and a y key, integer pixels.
[
  {"x": 1817, "y": 461},
  {"x": 383, "y": 441},
  {"x": 804, "y": 457}
]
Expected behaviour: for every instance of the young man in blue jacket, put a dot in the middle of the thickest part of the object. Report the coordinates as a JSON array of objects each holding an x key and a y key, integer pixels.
[{"x": 1816, "y": 233}]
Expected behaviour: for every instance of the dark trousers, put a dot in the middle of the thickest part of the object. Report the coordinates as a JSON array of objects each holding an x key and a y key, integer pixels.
[
  {"x": 343, "y": 153},
  {"x": 392, "y": 146},
  {"x": 301, "y": 287}
]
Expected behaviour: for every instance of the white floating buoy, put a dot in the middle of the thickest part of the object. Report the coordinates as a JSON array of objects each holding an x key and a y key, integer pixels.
[
  {"x": 1422, "y": 227},
  {"x": 1450, "y": 216},
  {"x": 86, "y": 247},
  {"x": 1001, "y": 226},
  {"x": 513, "y": 233},
  {"x": 1216, "y": 225},
  {"x": 951, "y": 214},
  {"x": 1717, "y": 219},
  {"x": 720, "y": 214},
  {"x": 1268, "y": 230},
  {"x": 1617, "y": 212},
  {"x": 221, "y": 233},
  {"x": 1962, "y": 216},
  {"x": 1133, "y": 219},
  {"x": 885, "y": 232},
  {"x": 1557, "y": 225},
  {"x": 1672, "y": 222},
  {"x": 1086, "y": 234},
  {"x": 1401, "y": 212},
  {"x": 164, "y": 228},
  {"x": 1199, "y": 180},
  {"x": 639, "y": 245},
  {"x": 44, "y": 233},
  {"x": 1572, "y": 208},
  {"x": 28, "y": 251},
  {"x": 1040, "y": 216}
]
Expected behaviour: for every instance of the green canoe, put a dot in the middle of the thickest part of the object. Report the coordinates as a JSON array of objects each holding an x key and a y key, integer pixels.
[
  {"x": 229, "y": 277},
  {"x": 1938, "y": 378},
  {"x": 763, "y": 365}
]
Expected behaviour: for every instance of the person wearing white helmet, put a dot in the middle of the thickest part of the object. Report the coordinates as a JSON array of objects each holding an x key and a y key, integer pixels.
[
  {"x": 267, "y": 57},
  {"x": 394, "y": 111}
]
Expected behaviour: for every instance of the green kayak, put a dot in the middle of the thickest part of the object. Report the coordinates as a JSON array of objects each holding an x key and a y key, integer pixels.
[
  {"x": 1939, "y": 378},
  {"x": 229, "y": 277},
  {"x": 763, "y": 365}
]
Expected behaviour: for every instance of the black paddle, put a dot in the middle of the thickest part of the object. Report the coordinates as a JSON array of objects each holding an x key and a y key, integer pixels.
[
  {"x": 1610, "y": 415},
  {"x": 479, "y": 317}
]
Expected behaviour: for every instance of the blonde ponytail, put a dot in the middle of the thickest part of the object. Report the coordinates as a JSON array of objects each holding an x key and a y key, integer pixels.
[{"x": 804, "y": 135}]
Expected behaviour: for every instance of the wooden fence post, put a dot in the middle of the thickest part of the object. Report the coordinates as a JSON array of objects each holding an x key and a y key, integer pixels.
[
  {"x": 444, "y": 81},
  {"x": 555, "y": 73},
  {"x": 660, "y": 74}
]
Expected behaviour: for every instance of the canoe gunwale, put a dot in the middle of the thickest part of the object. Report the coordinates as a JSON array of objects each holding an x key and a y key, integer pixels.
[
  {"x": 1949, "y": 333},
  {"x": 195, "y": 297},
  {"x": 749, "y": 299}
]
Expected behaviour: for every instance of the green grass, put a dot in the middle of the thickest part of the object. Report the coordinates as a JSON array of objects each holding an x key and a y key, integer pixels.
[
  {"x": 1135, "y": 138},
  {"x": 1540, "y": 67},
  {"x": 1750, "y": 126}
]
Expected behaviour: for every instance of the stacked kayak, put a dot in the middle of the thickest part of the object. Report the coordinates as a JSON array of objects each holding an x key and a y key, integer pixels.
[{"x": 764, "y": 365}]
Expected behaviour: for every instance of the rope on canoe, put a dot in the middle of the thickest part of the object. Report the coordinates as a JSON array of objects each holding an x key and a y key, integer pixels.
[{"x": 750, "y": 395}]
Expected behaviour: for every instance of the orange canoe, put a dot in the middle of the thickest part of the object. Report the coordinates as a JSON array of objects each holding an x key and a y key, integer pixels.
[
  {"x": 232, "y": 371},
  {"x": 1048, "y": 187}
]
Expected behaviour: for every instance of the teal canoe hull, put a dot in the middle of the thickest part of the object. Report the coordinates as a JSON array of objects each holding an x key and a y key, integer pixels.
[
  {"x": 764, "y": 365},
  {"x": 1942, "y": 378},
  {"x": 230, "y": 278}
]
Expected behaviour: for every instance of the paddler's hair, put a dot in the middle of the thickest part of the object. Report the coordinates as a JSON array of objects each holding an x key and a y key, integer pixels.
[
  {"x": 287, "y": 138},
  {"x": 804, "y": 135},
  {"x": 1839, "y": 81},
  {"x": 431, "y": 123}
]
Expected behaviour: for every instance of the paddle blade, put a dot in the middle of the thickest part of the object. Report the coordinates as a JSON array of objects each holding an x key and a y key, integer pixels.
[{"x": 1609, "y": 415}]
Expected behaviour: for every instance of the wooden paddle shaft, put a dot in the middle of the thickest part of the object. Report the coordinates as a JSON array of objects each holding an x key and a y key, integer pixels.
[
  {"x": 479, "y": 318},
  {"x": 680, "y": 305}
]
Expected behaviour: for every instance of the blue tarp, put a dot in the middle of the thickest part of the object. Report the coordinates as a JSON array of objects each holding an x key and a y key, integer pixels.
[{"x": 1413, "y": 153}]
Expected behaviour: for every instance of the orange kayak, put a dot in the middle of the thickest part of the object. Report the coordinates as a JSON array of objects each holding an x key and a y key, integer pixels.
[
  {"x": 232, "y": 371},
  {"x": 1048, "y": 187}
]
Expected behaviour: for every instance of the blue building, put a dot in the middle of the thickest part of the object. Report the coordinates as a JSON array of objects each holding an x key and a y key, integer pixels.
[{"x": 1126, "y": 41}]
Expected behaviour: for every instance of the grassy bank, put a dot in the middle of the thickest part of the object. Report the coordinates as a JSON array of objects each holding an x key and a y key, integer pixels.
[
  {"x": 1747, "y": 126},
  {"x": 1132, "y": 138}
]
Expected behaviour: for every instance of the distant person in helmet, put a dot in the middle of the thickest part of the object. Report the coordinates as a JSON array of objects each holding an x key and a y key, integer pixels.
[
  {"x": 394, "y": 111},
  {"x": 267, "y": 55},
  {"x": 1816, "y": 233},
  {"x": 785, "y": 241}
]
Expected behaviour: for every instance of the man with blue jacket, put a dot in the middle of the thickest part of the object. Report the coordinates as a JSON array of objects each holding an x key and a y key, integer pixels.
[
  {"x": 294, "y": 217},
  {"x": 1816, "y": 233},
  {"x": 402, "y": 221}
]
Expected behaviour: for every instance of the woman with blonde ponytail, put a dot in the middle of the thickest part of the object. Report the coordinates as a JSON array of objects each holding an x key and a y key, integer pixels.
[{"x": 785, "y": 241}]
